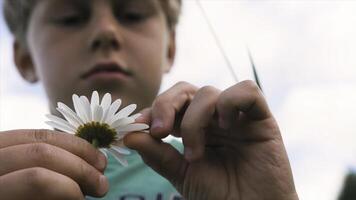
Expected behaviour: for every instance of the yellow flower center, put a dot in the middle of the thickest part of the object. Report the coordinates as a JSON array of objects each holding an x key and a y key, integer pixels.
[{"x": 100, "y": 135}]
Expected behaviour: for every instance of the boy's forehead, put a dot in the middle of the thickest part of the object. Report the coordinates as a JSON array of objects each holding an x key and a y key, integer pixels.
[{"x": 88, "y": 2}]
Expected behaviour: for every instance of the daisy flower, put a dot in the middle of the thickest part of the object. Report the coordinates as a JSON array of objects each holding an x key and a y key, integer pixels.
[{"x": 100, "y": 123}]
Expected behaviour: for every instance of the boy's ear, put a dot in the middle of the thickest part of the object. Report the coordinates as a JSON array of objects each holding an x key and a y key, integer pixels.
[
  {"x": 171, "y": 54},
  {"x": 23, "y": 62}
]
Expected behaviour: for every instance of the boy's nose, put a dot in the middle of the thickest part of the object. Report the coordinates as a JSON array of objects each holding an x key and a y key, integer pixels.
[
  {"x": 106, "y": 31},
  {"x": 105, "y": 40}
]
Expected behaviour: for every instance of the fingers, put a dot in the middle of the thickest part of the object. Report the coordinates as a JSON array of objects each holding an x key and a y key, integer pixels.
[
  {"x": 245, "y": 97},
  {"x": 196, "y": 120},
  {"x": 73, "y": 144},
  {"x": 145, "y": 116},
  {"x": 167, "y": 106},
  {"x": 197, "y": 109},
  {"x": 35, "y": 183},
  {"x": 161, "y": 157},
  {"x": 53, "y": 158}
]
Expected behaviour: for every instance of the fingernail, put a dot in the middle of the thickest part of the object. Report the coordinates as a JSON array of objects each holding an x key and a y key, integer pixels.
[
  {"x": 188, "y": 153},
  {"x": 157, "y": 124},
  {"x": 104, "y": 184},
  {"x": 139, "y": 119},
  {"x": 102, "y": 161}
]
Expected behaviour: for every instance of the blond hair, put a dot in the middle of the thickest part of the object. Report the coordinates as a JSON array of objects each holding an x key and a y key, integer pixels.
[{"x": 18, "y": 12}]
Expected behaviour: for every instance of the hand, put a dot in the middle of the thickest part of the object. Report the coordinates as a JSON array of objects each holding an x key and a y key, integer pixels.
[
  {"x": 233, "y": 148},
  {"x": 43, "y": 164}
]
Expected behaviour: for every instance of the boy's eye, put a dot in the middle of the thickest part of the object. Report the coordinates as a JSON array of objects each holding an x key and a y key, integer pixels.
[
  {"x": 132, "y": 17},
  {"x": 71, "y": 20}
]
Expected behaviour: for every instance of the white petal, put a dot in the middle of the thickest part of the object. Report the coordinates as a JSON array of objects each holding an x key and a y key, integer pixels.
[
  {"x": 70, "y": 112},
  {"x": 124, "y": 112},
  {"x": 60, "y": 127},
  {"x": 106, "y": 101},
  {"x": 121, "y": 135},
  {"x": 86, "y": 107},
  {"x": 105, "y": 104},
  {"x": 119, "y": 157},
  {"x": 60, "y": 121},
  {"x": 112, "y": 110},
  {"x": 121, "y": 150},
  {"x": 119, "y": 143},
  {"x": 135, "y": 116},
  {"x": 69, "y": 118},
  {"x": 98, "y": 113},
  {"x": 132, "y": 127},
  {"x": 105, "y": 115},
  {"x": 103, "y": 150},
  {"x": 122, "y": 122},
  {"x": 94, "y": 100},
  {"x": 78, "y": 108}
]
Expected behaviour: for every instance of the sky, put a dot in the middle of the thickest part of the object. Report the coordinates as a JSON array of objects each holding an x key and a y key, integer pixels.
[{"x": 303, "y": 51}]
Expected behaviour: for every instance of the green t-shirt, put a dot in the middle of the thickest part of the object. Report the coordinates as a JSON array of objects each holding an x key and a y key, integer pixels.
[{"x": 137, "y": 181}]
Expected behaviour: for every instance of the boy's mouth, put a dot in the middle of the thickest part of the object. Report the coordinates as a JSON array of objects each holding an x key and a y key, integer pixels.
[{"x": 107, "y": 70}]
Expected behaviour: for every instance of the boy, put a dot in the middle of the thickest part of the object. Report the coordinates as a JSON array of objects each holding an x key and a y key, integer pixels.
[{"x": 232, "y": 145}]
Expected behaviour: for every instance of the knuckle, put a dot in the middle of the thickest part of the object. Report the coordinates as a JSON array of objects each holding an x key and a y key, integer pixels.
[
  {"x": 40, "y": 152},
  {"x": 81, "y": 145},
  {"x": 250, "y": 85},
  {"x": 182, "y": 84},
  {"x": 208, "y": 90},
  {"x": 209, "y": 95},
  {"x": 36, "y": 177},
  {"x": 84, "y": 171},
  {"x": 40, "y": 135},
  {"x": 41, "y": 180},
  {"x": 161, "y": 101},
  {"x": 186, "y": 86}
]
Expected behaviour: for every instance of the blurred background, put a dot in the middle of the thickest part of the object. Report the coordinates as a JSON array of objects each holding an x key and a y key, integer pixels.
[{"x": 305, "y": 55}]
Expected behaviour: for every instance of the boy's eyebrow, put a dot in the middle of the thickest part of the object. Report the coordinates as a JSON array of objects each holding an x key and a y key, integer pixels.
[
  {"x": 148, "y": 3},
  {"x": 71, "y": 3}
]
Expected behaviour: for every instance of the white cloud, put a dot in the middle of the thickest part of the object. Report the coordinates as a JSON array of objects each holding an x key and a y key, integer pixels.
[
  {"x": 317, "y": 123},
  {"x": 23, "y": 112}
]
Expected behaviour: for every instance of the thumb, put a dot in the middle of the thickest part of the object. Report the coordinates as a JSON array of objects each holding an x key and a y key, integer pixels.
[{"x": 160, "y": 156}]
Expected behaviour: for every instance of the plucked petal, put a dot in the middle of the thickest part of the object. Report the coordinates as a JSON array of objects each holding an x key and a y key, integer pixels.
[
  {"x": 61, "y": 127},
  {"x": 122, "y": 122},
  {"x": 132, "y": 127},
  {"x": 119, "y": 157},
  {"x": 69, "y": 112},
  {"x": 124, "y": 112},
  {"x": 112, "y": 110},
  {"x": 69, "y": 119},
  {"x": 135, "y": 116},
  {"x": 60, "y": 121}
]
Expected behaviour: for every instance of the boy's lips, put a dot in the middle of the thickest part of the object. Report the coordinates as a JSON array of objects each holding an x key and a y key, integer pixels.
[{"x": 107, "y": 70}]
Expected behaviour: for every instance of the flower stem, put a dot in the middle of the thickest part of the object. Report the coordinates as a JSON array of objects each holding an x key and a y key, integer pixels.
[{"x": 95, "y": 143}]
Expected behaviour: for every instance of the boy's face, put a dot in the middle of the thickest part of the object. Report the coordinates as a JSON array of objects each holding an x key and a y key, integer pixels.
[{"x": 117, "y": 46}]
